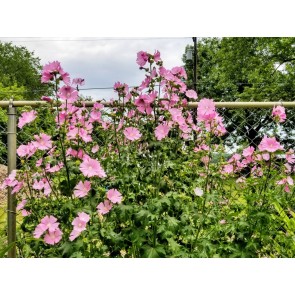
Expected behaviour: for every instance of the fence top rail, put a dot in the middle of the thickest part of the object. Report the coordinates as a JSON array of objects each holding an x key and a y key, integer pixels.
[{"x": 191, "y": 105}]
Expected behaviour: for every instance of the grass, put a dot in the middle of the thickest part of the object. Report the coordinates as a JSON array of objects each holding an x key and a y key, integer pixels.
[{"x": 3, "y": 226}]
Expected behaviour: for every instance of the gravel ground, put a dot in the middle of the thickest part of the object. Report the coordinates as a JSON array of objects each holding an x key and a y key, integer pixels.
[{"x": 3, "y": 175}]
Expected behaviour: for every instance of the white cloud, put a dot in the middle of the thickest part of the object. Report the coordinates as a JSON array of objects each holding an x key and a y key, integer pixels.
[{"x": 102, "y": 61}]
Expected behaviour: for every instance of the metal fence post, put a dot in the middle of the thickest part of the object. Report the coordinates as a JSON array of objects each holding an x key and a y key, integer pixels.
[{"x": 11, "y": 159}]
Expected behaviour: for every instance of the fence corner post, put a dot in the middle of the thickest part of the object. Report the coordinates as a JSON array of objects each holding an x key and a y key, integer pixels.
[{"x": 11, "y": 163}]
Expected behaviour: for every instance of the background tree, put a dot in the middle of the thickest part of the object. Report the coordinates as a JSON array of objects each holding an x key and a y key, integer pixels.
[
  {"x": 20, "y": 67},
  {"x": 246, "y": 69},
  {"x": 19, "y": 77}
]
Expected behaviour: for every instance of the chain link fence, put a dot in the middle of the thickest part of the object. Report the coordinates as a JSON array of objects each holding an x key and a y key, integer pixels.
[
  {"x": 248, "y": 126},
  {"x": 246, "y": 123}
]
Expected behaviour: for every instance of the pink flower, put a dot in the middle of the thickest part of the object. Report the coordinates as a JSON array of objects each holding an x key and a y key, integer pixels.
[
  {"x": 248, "y": 151},
  {"x": 162, "y": 131},
  {"x": 53, "y": 237},
  {"x": 157, "y": 56},
  {"x": 290, "y": 156},
  {"x": 191, "y": 94},
  {"x": 98, "y": 106},
  {"x": 39, "y": 230},
  {"x": 82, "y": 189},
  {"x": 50, "y": 223},
  {"x": 228, "y": 168},
  {"x": 114, "y": 196},
  {"x": 26, "y": 150},
  {"x": 77, "y": 154},
  {"x": 95, "y": 116},
  {"x": 206, "y": 110},
  {"x": 145, "y": 83},
  {"x": 143, "y": 103},
  {"x": 84, "y": 135},
  {"x": 269, "y": 144},
  {"x": 234, "y": 158},
  {"x": 105, "y": 207},
  {"x": 26, "y": 118},
  {"x": 257, "y": 171},
  {"x": 74, "y": 234},
  {"x": 179, "y": 71},
  {"x": 68, "y": 93},
  {"x": 279, "y": 114},
  {"x": 54, "y": 168},
  {"x": 121, "y": 88},
  {"x": 46, "y": 98},
  {"x": 78, "y": 81},
  {"x": 80, "y": 222},
  {"x": 177, "y": 116},
  {"x": 84, "y": 216},
  {"x": 25, "y": 212},
  {"x": 38, "y": 185},
  {"x": 288, "y": 180},
  {"x": 90, "y": 167},
  {"x": 132, "y": 133},
  {"x": 52, "y": 67},
  {"x": 49, "y": 70},
  {"x": 10, "y": 180},
  {"x": 142, "y": 58},
  {"x": 21, "y": 205},
  {"x": 42, "y": 142},
  {"x": 18, "y": 187},
  {"x": 95, "y": 149}
]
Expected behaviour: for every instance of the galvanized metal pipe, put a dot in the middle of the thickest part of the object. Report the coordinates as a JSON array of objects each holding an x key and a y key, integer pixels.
[
  {"x": 222, "y": 104},
  {"x": 11, "y": 159},
  {"x": 248, "y": 104}
]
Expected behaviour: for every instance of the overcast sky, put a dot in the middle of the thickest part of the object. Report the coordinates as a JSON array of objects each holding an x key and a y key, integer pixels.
[{"x": 103, "y": 61}]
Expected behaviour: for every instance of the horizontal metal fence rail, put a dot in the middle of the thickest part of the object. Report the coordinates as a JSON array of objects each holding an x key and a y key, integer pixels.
[
  {"x": 12, "y": 105},
  {"x": 223, "y": 104}
]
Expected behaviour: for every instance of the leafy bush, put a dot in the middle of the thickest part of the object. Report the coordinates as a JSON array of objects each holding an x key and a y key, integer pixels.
[{"x": 148, "y": 177}]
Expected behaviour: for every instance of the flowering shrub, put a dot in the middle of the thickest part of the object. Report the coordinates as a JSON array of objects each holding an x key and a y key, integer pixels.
[{"x": 149, "y": 177}]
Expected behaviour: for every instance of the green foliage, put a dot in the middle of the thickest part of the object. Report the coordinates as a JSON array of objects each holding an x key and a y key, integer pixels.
[
  {"x": 20, "y": 67},
  {"x": 3, "y": 232},
  {"x": 179, "y": 197},
  {"x": 20, "y": 80},
  {"x": 246, "y": 69},
  {"x": 160, "y": 215}
]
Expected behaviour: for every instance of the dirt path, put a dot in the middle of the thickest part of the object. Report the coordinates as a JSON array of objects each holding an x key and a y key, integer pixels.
[{"x": 3, "y": 175}]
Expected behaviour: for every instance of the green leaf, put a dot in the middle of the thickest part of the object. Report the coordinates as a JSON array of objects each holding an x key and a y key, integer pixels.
[
  {"x": 5, "y": 250},
  {"x": 77, "y": 254},
  {"x": 151, "y": 253},
  {"x": 174, "y": 246},
  {"x": 66, "y": 247},
  {"x": 172, "y": 222},
  {"x": 143, "y": 214}
]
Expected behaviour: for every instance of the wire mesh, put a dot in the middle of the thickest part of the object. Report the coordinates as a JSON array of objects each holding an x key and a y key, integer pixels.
[
  {"x": 3, "y": 144},
  {"x": 244, "y": 127},
  {"x": 248, "y": 126}
]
